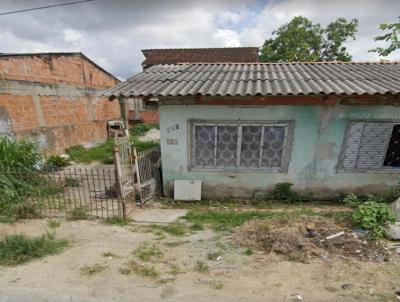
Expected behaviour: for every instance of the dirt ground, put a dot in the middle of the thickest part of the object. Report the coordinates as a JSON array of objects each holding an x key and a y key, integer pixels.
[{"x": 233, "y": 276}]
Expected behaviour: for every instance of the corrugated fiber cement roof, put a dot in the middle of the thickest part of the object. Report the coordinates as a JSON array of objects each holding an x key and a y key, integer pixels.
[{"x": 264, "y": 79}]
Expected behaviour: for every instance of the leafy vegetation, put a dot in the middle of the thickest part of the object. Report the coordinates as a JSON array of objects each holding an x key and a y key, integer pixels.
[
  {"x": 224, "y": 220},
  {"x": 374, "y": 216},
  {"x": 147, "y": 252},
  {"x": 100, "y": 153},
  {"x": 58, "y": 161},
  {"x": 21, "y": 155},
  {"x": 301, "y": 40},
  {"x": 283, "y": 191},
  {"x": 392, "y": 36},
  {"x": 139, "y": 269},
  {"x": 139, "y": 130},
  {"x": 248, "y": 252},
  {"x": 353, "y": 201},
  {"x": 19, "y": 160},
  {"x": 227, "y": 219},
  {"x": 52, "y": 223},
  {"x": 103, "y": 152},
  {"x": 78, "y": 213},
  {"x": 93, "y": 269},
  {"x": 117, "y": 221},
  {"x": 172, "y": 229},
  {"x": 17, "y": 249}
]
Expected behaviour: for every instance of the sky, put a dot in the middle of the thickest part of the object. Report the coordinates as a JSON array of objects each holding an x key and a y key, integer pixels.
[{"x": 113, "y": 32}]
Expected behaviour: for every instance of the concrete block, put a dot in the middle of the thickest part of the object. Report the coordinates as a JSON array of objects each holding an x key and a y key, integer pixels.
[{"x": 187, "y": 190}]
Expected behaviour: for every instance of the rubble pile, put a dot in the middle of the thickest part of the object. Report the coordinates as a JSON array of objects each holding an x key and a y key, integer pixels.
[{"x": 311, "y": 237}]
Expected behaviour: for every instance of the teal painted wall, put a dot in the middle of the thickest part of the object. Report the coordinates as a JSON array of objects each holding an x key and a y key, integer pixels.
[{"x": 317, "y": 140}]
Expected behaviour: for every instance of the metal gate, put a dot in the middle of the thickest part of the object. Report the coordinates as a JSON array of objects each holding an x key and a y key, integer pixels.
[
  {"x": 124, "y": 172},
  {"x": 138, "y": 174},
  {"x": 148, "y": 169}
]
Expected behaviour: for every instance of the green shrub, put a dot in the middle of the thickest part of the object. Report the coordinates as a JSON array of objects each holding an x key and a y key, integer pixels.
[
  {"x": 283, "y": 191},
  {"x": 22, "y": 155},
  {"x": 374, "y": 216},
  {"x": 17, "y": 249},
  {"x": 352, "y": 201},
  {"x": 57, "y": 161}
]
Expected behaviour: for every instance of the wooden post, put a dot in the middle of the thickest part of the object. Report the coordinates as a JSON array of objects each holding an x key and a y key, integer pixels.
[{"x": 118, "y": 182}]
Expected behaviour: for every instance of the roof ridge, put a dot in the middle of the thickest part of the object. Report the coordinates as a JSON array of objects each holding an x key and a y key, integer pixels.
[
  {"x": 285, "y": 63},
  {"x": 201, "y": 48}
]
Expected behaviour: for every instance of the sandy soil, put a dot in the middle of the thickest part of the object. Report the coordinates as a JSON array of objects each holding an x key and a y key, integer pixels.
[{"x": 234, "y": 277}]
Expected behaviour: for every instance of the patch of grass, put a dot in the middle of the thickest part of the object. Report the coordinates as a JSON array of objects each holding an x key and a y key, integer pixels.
[
  {"x": 218, "y": 285},
  {"x": 57, "y": 161},
  {"x": 196, "y": 226},
  {"x": 125, "y": 270},
  {"x": 227, "y": 219},
  {"x": 223, "y": 220},
  {"x": 201, "y": 266},
  {"x": 248, "y": 252},
  {"x": 109, "y": 254},
  {"x": 172, "y": 229},
  {"x": 52, "y": 223},
  {"x": 176, "y": 243},
  {"x": 139, "y": 269},
  {"x": 214, "y": 255},
  {"x": 117, "y": 220},
  {"x": 71, "y": 182},
  {"x": 78, "y": 213},
  {"x": 101, "y": 153},
  {"x": 147, "y": 252},
  {"x": 17, "y": 249},
  {"x": 92, "y": 269},
  {"x": 175, "y": 269}
]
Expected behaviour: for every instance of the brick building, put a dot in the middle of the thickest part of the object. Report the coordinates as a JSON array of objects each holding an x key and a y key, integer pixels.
[{"x": 55, "y": 98}]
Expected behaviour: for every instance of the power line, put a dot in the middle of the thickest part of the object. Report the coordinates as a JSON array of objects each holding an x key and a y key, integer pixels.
[{"x": 44, "y": 7}]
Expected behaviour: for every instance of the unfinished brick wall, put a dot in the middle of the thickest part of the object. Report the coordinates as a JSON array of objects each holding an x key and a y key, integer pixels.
[{"x": 55, "y": 99}]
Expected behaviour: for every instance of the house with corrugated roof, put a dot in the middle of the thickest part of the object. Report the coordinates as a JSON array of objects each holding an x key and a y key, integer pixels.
[
  {"x": 146, "y": 110},
  {"x": 241, "y": 128}
]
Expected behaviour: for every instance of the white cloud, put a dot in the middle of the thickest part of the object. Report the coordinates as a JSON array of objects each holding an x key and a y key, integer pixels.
[
  {"x": 112, "y": 33},
  {"x": 226, "y": 38}
]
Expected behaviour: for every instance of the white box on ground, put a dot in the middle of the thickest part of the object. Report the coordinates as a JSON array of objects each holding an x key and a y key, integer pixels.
[{"x": 187, "y": 190}]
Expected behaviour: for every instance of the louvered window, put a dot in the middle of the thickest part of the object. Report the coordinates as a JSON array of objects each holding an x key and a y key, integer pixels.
[
  {"x": 240, "y": 146},
  {"x": 371, "y": 146}
]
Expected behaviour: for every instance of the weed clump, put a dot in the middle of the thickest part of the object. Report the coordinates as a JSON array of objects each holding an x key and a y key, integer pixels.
[
  {"x": 147, "y": 252},
  {"x": 18, "y": 249},
  {"x": 52, "y": 223},
  {"x": 375, "y": 217},
  {"x": 92, "y": 269}
]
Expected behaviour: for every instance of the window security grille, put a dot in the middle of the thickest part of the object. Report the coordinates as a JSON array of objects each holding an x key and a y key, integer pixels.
[
  {"x": 239, "y": 146},
  {"x": 371, "y": 146}
]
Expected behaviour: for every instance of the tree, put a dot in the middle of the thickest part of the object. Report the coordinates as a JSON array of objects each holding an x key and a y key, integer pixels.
[
  {"x": 391, "y": 37},
  {"x": 301, "y": 40}
]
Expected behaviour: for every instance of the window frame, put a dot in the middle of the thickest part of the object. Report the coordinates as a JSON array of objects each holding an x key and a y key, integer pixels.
[
  {"x": 383, "y": 169},
  {"x": 286, "y": 148}
]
